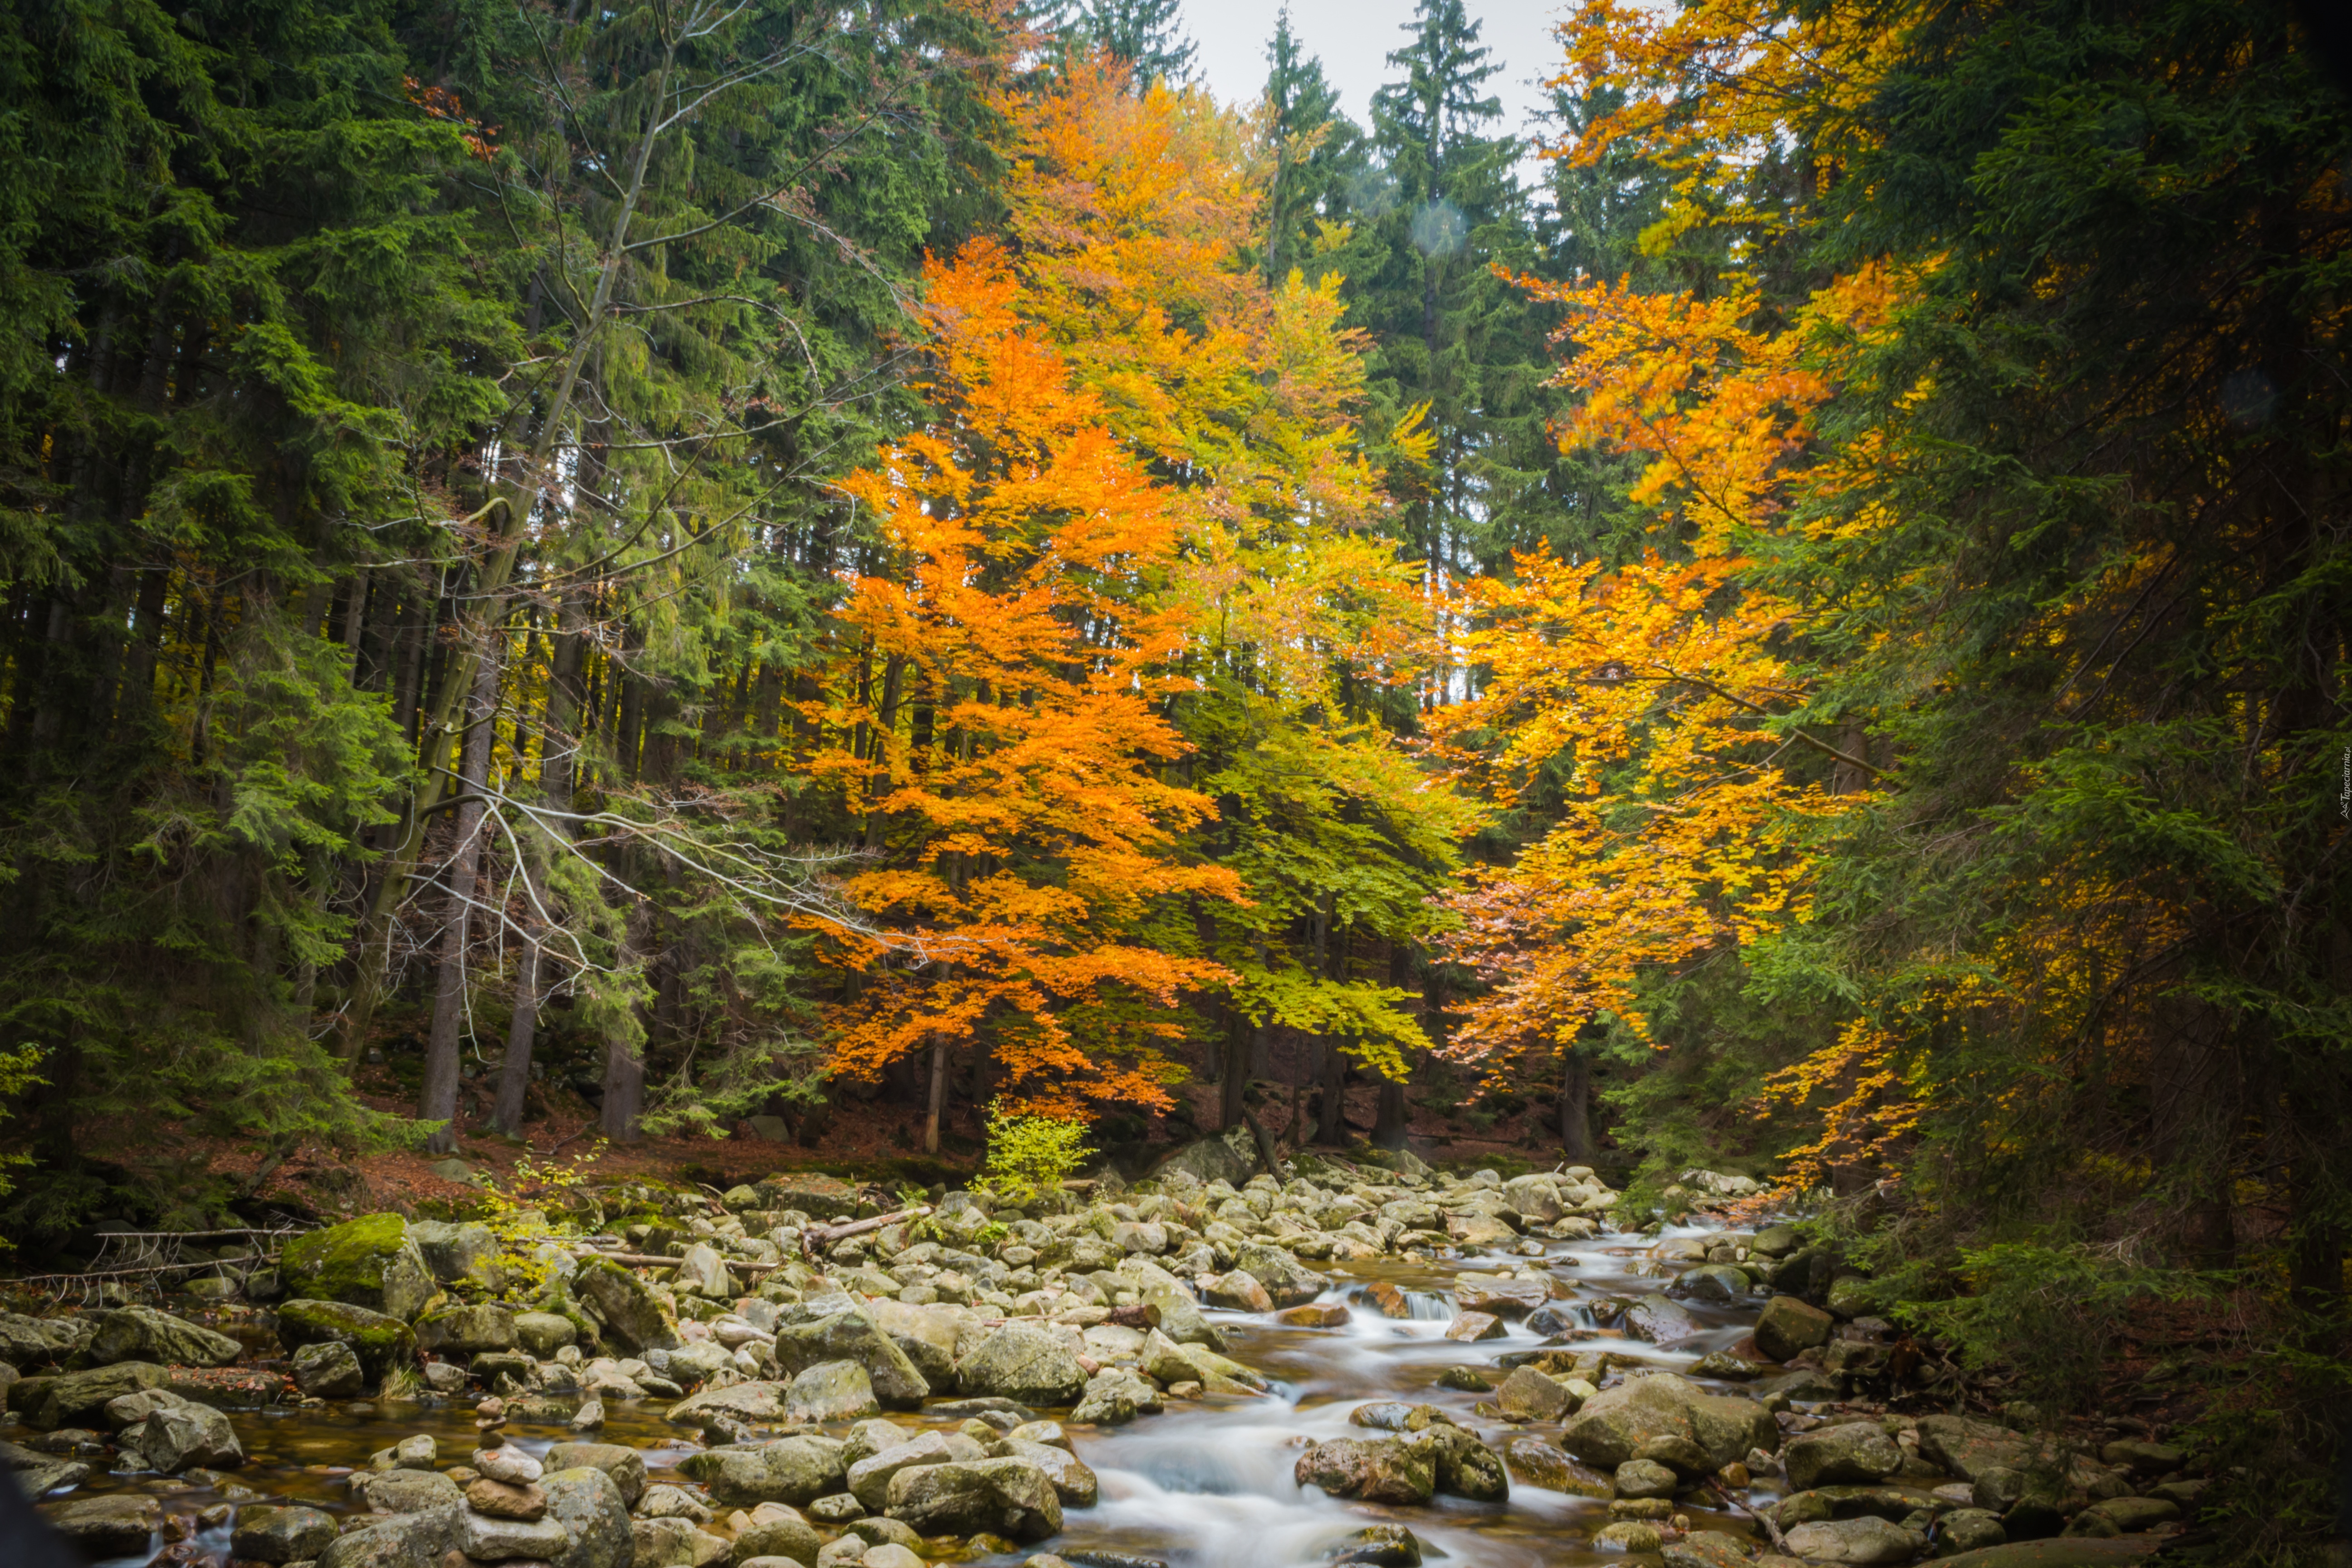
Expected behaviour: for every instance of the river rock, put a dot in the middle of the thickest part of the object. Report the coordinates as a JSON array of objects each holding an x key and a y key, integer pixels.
[
  {"x": 1659, "y": 1321},
  {"x": 1646, "y": 1478},
  {"x": 1968, "y": 1529},
  {"x": 488, "y": 1539},
  {"x": 782, "y": 1533},
  {"x": 1475, "y": 1230},
  {"x": 381, "y": 1340},
  {"x": 1610, "y": 1426},
  {"x": 1470, "y": 1327},
  {"x": 406, "y": 1491},
  {"x": 1230, "y": 1156},
  {"x": 868, "y": 1480},
  {"x": 1389, "y": 1470},
  {"x": 1464, "y": 1466},
  {"x": 412, "y": 1540},
  {"x": 545, "y": 1333},
  {"x": 266, "y": 1534},
  {"x": 1533, "y": 1462},
  {"x": 1173, "y": 1364},
  {"x": 467, "y": 1331},
  {"x": 37, "y": 1474},
  {"x": 702, "y": 1272},
  {"x": 1790, "y": 1327},
  {"x": 370, "y": 1262},
  {"x": 1629, "y": 1535},
  {"x": 1856, "y": 1452},
  {"x": 459, "y": 1252},
  {"x": 103, "y": 1527},
  {"x": 507, "y": 1463},
  {"x": 142, "y": 1333},
  {"x": 502, "y": 1500},
  {"x": 171, "y": 1434},
  {"x": 2130, "y": 1515},
  {"x": 1012, "y": 1498},
  {"x": 1866, "y": 1540},
  {"x": 1020, "y": 1360},
  {"x": 1718, "y": 1284},
  {"x": 1530, "y": 1395},
  {"x": 1705, "y": 1549},
  {"x": 329, "y": 1370},
  {"x": 41, "y": 1341},
  {"x": 852, "y": 1336},
  {"x": 926, "y": 1335},
  {"x": 1074, "y": 1480},
  {"x": 77, "y": 1398},
  {"x": 1503, "y": 1296},
  {"x": 1288, "y": 1282},
  {"x": 1238, "y": 1291},
  {"x": 624, "y": 1466},
  {"x": 591, "y": 1508},
  {"x": 632, "y": 1314},
  {"x": 795, "y": 1470},
  {"x": 831, "y": 1391},
  {"x": 1967, "y": 1449}
]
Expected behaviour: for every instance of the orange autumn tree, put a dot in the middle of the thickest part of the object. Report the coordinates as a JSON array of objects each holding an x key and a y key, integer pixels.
[
  {"x": 1003, "y": 729},
  {"x": 1662, "y": 688},
  {"x": 1135, "y": 214}
]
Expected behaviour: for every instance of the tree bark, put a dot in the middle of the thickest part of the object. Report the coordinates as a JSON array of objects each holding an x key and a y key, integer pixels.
[
  {"x": 438, "y": 1103},
  {"x": 1576, "y": 1140},
  {"x": 555, "y": 775},
  {"x": 937, "y": 1100}
]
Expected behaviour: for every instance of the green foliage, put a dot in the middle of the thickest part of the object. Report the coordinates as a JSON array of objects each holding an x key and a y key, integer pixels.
[{"x": 1030, "y": 1156}]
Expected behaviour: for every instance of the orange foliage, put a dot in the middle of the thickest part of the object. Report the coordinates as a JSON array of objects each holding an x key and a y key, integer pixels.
[{"x": 1660, "y": 684}]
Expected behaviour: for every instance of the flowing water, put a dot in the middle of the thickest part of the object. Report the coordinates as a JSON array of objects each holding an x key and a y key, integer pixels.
[{"x": 1205, "y": 1485}]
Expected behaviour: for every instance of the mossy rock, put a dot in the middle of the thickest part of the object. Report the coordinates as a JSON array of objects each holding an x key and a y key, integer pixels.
[
  {"x": 370, "y": 1262},
  {"x": 380, "y": 1341}
]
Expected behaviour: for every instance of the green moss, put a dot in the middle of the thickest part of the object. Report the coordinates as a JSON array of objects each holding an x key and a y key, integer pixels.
[{"x": 333, "y": 1264}]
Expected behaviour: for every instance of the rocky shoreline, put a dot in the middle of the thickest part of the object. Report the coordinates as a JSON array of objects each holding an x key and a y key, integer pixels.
[{"x": 852, "y": 1388}]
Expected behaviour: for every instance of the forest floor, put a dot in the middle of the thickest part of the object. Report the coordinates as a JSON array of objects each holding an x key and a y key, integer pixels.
[{"x": 872, "y": 1140}]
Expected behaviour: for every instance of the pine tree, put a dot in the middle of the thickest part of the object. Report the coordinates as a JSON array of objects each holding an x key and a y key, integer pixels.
[
  {"x": 1321, "y": 165},
  {"x": 1147, "y": 36}
]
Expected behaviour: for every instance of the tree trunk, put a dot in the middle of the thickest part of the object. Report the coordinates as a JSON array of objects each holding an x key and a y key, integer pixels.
[
  {"x": 937, "y": 1099},
  {"x": 438, "y": 1103},
  {"x": 522, "y": 1028},
  {"x": 1332, "y": 1126},
  {"x": 558, "y": 745},
  {"x": 1239, "y": 1050},
  {"x": 1576, "y": 1142}
]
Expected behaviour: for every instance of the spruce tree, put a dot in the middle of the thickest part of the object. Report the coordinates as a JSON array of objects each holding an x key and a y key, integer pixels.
[{"x": 1320, "y": 167}]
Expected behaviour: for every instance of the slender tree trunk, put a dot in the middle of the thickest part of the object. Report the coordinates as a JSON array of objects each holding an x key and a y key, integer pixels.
[
  {"x": 1236, "y": 1081},
  {"x": 1332, "y": 1126},
  {"x": 625, "y": 1068},
  {"x": 936, "y": 1101},
  {"x": 558, "y": 745},
  {"x": 1576, "y": 1143},
  {"x": 438, "y": 1102}
]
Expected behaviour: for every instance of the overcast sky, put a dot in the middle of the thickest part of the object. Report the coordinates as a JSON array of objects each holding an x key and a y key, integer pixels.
[{"x": 1354, "y": 36}]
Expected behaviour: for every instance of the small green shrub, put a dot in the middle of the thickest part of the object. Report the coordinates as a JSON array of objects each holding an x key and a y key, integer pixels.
[{"x": 1029, "y": 1155}]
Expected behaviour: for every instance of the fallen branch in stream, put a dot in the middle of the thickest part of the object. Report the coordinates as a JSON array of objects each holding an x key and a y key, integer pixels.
[{"x": 1779, "y": 1541}]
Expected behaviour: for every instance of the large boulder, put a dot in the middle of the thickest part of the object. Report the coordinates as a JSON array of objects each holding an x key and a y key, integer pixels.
[
  {"x": 1612, "y": 1425},
  {"x": 170, "y": 1434},
  {"x": 103, "y": 1527},
  {"x": 38, "y": 1474},
  {"x": 1288, "y": 1281},
  {"x": 831, "y": 1391},
  {"x": 868, "y": 1480},
  {"x": 1230, "y": 1156},
  {"x": 1791, "y": 1326},
  {"x": 406, "y": 1491},
  {"x": 1659, "y": 1321},
  {"x": 467, "y": 1331},
  {"x": 925, "y": 1335},
  {"x": 142, "y": 1333},
  {"x": 759, "y": 1402},
  {"x": 1024, "y": 1362},
  {"x": 853, "y": 1336},
  {"x": 370, "y": 1262},
  {"x": 632, "y": 1314},
  {"x": 329, "y": 1370},
  {"x": 1855, "y": 1453},
  {"x": 77, "y": 1398},
  {"x": 818, "y": 1196},
  {"x": 380, "y": 1339},
  {"x": 1868, "y": 1540},
  {"x": 1389, "y": 1470},
  {"x": 593, "y": 1511},
  {"x": 797, "y": 1470},
  {"x": 462, "y": 1253},
  {"x": 625, "y": 1465},
  {"x": 41, "y": 1341},
  {"x": 1535, "y": 1197},
  {"x": 1074, "y": 1482},
  {"x": 781, "y": 1533},
  {"x": 266, "y": 1534},
  {"x": 411, "y": 1541},
  {"x": 1463, "y": 1466},
  {"x": 1012, "y": 1498},
  {"x": 541, "y": 1334},
  {"x": 1967, "y": 1449}
]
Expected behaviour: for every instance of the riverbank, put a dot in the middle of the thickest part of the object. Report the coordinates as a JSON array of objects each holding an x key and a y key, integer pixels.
[{"x": 1354, "y": 1365}]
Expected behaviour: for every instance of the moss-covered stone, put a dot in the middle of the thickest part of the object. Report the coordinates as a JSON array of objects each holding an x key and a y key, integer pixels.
[
  {"x": 370, "y": 1262},
  {"x": 378, "y": 1339}
]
